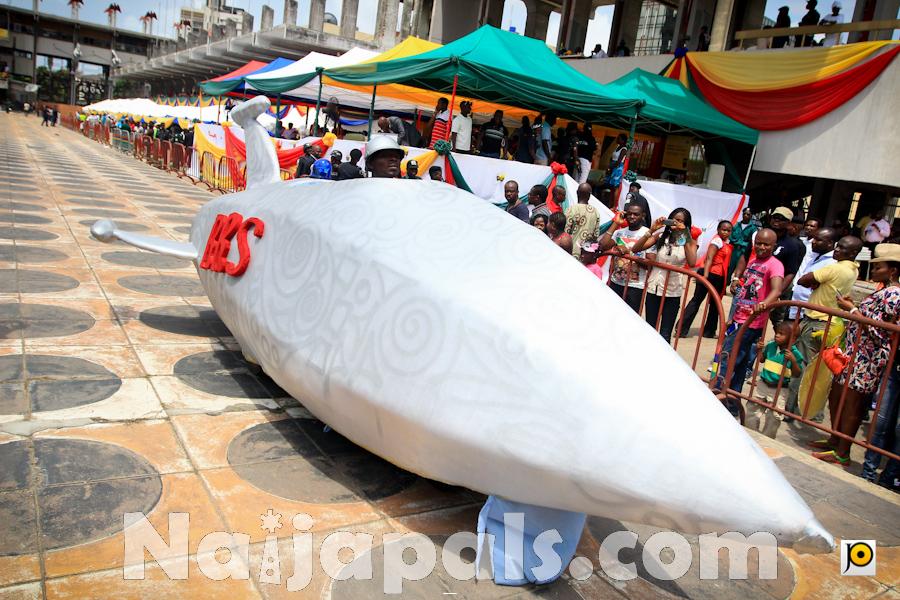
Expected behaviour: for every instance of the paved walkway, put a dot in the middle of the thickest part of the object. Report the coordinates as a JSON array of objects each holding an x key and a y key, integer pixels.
[{"x": 121, "y": 391}]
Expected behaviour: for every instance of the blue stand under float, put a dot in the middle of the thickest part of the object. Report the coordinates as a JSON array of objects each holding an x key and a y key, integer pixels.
[{"x": 514, "y": 559}]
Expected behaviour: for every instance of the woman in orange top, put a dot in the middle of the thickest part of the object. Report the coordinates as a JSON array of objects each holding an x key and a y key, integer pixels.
[{"x": 715, "y": 268}]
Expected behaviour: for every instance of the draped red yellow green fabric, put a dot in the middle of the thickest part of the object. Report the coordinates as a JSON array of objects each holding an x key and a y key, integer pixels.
[
  {"x": 783, "y": 89},
  {"x": 452, "y": 174}
]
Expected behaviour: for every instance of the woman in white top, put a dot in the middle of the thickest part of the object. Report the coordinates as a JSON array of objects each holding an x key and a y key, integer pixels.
[{"x": 669, "y": 242}]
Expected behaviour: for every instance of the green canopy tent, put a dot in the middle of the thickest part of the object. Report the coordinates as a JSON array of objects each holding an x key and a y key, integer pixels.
[
  {"x": 671, "y": 108},
  {"x": 501, "y": 67}
]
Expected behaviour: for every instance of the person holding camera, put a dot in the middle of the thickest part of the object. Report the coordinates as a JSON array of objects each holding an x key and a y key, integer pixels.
[{"x": 668, "y": 241}]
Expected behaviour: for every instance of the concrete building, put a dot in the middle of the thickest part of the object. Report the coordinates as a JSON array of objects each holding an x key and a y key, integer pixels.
[
  {"x": 219, "y": 17},
  {"x": 841, "y": 164},
  {"x": 38, "y": 48},
  {"x": 643, "y": 26}
]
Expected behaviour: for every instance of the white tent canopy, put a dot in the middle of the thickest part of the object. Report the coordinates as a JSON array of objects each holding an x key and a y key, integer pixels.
[
  {"x": 309, "y": 91},
  {"x": 313, "y": 61},
  {"x": 148, "y": 108}
]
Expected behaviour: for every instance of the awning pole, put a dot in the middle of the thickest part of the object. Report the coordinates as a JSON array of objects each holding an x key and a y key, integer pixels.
[
  {"x": 219, "y": 109},
  {"x": 452, "y": 104},
  {"x": 372, "y": 111},
  {"x": 278, "y": 118},
  {"x": 628, "y": 145},
  {"x": 631, "y": 131},
  {"x": 749, "y": 168},
  {"x": 318, "y": 103}
]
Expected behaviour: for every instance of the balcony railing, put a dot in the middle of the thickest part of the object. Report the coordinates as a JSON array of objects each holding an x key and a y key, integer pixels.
[{"x": 810, "y": 30}]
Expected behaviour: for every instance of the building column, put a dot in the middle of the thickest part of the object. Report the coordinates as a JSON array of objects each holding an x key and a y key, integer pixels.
[
  {"x": 386, "y": 22},
  {"x": 267, "y": 20},
  {"x": 626, "y": 17},
  {"x": 290, "y": 12},
  {"x": 681, "y": 23},
  {"x": 406, "y": 21},
  {"x": 573, "y": 23},
  {"x": 420, "y": 23},
  {"x": 754, "y": 11},
  {"x": 723, "y": 18},
  {"x": 537, "y": 20},
  {"x": 349, "y": 11},
  {"x": 879, "y": 10},
  {"x": 490, "y": 12},
  {"x": 316, "y": 15}
]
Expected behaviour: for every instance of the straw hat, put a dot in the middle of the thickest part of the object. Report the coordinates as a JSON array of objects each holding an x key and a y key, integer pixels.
[{"x": 886, "y": 252}]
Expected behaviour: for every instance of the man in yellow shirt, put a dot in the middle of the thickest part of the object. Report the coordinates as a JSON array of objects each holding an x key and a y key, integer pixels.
[{"x": 827, "y": 284}]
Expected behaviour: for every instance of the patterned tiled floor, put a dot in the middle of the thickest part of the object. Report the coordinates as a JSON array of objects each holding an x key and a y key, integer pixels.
[{"x": 121, "y": 391}]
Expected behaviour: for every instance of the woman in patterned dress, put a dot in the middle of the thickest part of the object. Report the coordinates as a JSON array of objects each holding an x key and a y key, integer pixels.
[{"x": 866, "y": 370}]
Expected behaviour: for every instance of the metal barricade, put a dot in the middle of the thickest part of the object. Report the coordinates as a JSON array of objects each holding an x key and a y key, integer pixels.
[
  {"x": 229, "y": 176},
  {"x": 177, "y": 158},
  {"x": 209, "y": 168},
  {"x": 190, "y": 164},
  {"x": 712, "y": 302},
  {"x": 841, "y": 421},
  {"x": 122, "y": 140},
  {"x": 163, "y": 152},
  {"x": 146, "y": 148}
]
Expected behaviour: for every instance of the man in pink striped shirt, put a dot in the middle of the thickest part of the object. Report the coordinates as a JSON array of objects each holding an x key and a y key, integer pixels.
[{"x": 438, "y": 122}]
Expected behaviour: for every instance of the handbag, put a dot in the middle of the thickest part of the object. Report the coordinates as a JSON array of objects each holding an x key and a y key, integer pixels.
[{"x": 835, "y": 359}]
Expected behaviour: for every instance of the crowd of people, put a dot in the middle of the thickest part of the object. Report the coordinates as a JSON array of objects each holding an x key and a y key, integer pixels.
[
  {"x": 758, "y": 264},
  {"x": 802, "y": 261},
  {"x": 536, "y": 141}
]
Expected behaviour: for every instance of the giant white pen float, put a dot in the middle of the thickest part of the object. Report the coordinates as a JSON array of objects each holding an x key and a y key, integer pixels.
[{"x": 456, "y": 342}]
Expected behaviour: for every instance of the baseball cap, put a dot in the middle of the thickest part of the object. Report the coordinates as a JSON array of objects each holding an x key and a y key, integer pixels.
[
  {"x": 412, "y": 163},
  {"x": 784, "y": 212}
]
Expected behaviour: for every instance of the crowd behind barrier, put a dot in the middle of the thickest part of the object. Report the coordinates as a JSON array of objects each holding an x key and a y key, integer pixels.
[
  {"x": 815, "y": 401},
  {"x": 227, "y": 176},
  {"x": 221, "y": 174},
  {"x": 755, "y": 406}
]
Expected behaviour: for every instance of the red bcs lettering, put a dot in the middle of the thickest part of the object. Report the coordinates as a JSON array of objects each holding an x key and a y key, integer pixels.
[{"x": 225, "y": 228}]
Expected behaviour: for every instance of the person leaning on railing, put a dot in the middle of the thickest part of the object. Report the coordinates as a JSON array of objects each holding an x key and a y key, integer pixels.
[
  {"x": 760, "y": 284},
  {"x": 872, "y": 349},
  {"x": 827, "y": 283}
]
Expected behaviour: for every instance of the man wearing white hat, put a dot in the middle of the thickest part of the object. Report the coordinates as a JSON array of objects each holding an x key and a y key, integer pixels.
[
  {"x": 383, "y": 156},
  {"x": 835, "y": 18}
]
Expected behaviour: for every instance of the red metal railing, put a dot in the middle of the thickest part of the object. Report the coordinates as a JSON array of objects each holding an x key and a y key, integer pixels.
[
  {"x": 192, "y": 165},
  {"x": 819, "y": 370},
  {"x": 164, "y": 151},
  {"x": 224, "y": 174},
  {"x": 711, "y": 303}
]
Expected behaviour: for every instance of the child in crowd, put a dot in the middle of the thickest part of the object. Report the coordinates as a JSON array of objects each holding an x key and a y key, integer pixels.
[
  {"x": 589, "y": 253},
  {"x": 774, "y": 358},
  {"x": 715, "y": 268},
  {"x": 556, "y": 229},
  {"x": 760, "y": 286}
]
